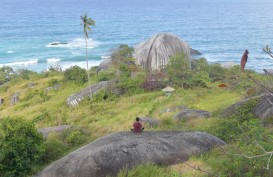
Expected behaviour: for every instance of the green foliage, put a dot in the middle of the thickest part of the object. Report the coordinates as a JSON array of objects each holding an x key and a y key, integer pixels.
[
  {"x": 54, "y": 149},
  {"x": 180, "y": 73},
  {"x": 76, "y": 74},
  {"x": 105, "y": 76},
  {"x": 243, "y": 112},
  {"x": 148, "y": 170},
  {"x": 252, "y": 141},
  {"x": 26, "y": 74},
  {"x": 74, "y": 136},
  {"x": 52, "y": 82},
  {"x": 21, "y": 147},
  {"x": 216, "y": 72},
  {"x": 122, "y": 55},
  {"x": 6, "y": 73}
]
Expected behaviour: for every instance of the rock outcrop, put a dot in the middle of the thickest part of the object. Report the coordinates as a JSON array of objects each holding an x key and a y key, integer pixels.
[
  {"x": 46, "y": 131},
  {"x": 116, "y": 151},
  {"x": 54, "y": 87},
  {"x": 1, "y": 101},
  {"x": 154, "y": 53},
  {"x": 14, "y": 98},
  {"x": 262, "y": 109},
  {"x": 74, "y": 99},
  {"x": 192, "y": 113},
  {"x": 195, "y": 52},
  {"x": 104, "y": 65},
  {"x": 151, "y": 121}
]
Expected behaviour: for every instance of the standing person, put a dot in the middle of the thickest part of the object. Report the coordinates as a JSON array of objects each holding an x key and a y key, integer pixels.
[
  {"x": 244, "y": 60},
  {"x": 137, "y": 126}
]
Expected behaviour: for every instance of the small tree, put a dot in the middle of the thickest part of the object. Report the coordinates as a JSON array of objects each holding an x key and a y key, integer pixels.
[
  {"x": 77, "y": 74},
  {"x": 178, "y": 70},
  {"x": 21, "y": 146}
]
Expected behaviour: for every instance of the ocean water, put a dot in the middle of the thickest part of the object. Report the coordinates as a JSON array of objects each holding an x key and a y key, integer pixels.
[{"x": 220, "y": 29}]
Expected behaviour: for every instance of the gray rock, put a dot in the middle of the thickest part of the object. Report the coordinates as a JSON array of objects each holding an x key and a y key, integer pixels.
[
  {"x": 74, "y": 99},
  {"x": 54, "y": 87},
  {"x": 152, "y": 122},
  {"x": 104, "y": 65},
  {"x": 31, "y": 84},
  {"x": 195, "y": 52},
  {"x": 46, "y": 131},
  {"x": 58, "y": 43},
  {"x": 268, "y": 71},
  {"x": 154, "y": 53},
  {"x": 192, "y": 113},
  {"x": 116, "y": 151},
  {"x": 263, "y": 108},
  {"x": 174, "y": 109},
  {"x": 1, "y": 101},
  {"x": 14, "y": 98}
]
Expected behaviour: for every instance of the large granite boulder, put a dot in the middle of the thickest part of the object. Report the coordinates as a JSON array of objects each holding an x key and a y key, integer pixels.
[
  {"x": 192, "y": 113},
  {"x": 154, "y": 53},
  {"x": 262, "y": 108},
  {"x": 116, "y": 151}
]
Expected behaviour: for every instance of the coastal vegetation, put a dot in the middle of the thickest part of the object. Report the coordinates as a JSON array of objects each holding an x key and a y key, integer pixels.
[{"x": 136, "y": 92}]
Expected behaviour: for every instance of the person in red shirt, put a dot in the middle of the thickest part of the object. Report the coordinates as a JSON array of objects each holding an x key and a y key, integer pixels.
[{"x": 137, "y": 126}]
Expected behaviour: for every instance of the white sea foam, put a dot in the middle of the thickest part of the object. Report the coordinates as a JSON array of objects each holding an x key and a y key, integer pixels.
[
  {"x": 53, "y": 60},
  {"x": 76, "y": 43},
  {"x": 10, "y": 51},
  {"x": 82, "y": 64},
  {"x": 23, "y": 63},
  {"x": 105, "y": 57}
]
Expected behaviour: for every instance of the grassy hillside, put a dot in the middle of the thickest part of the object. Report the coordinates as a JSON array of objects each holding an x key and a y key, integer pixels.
[{"x": 96, "y": 117}]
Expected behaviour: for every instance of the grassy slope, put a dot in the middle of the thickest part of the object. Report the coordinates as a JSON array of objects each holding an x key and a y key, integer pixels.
[{"x": 109, "y": 116}]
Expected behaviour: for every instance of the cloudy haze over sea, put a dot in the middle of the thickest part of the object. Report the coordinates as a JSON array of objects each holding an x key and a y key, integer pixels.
[{"x": 221, "y": 30}]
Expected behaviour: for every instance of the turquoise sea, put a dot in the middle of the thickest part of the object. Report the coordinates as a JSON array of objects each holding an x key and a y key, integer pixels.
[{"x": 220, "y": 29}]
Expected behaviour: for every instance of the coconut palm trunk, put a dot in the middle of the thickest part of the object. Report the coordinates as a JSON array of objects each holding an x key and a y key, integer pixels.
[
  {"x": 86, "y": 56},
  {"x": 87, "y": 22}
]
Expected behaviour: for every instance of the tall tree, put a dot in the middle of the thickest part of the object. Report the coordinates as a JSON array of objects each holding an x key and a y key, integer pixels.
[{"x": 87, "y": 22}]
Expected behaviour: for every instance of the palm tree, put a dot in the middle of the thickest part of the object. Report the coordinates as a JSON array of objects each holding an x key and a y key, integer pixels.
[{"x": 87, "y": 22}]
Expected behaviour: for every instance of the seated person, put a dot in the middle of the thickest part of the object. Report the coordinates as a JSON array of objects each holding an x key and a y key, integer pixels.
[{"x": 137, "y": 126}]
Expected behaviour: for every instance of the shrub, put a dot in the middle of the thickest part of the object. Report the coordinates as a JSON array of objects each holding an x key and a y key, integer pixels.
[
  {"x": 76, "y": 74},
  {"x": 54, "y": 149},
  {"x": 52, "y": 82},
  {"x": 6, "y": 73},
  {"x": 105, "y": 76},
  {"x": 21, "y": 147},
  {"x": 74, "y": 136},
  {"x": 216, "y": 72}
]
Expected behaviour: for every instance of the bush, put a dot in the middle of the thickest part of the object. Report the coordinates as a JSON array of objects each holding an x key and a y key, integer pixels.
[
  {"x": 54, "y": 149},
  {"x": 148, "y": 170},
  {"x": 76, "y": 74},
  {"x": 216, "y": 72},
  {"x": 6, "y": 73},
  {"x": 74, "y": 136},
  {"x": 52, "y": 82},
  {"x": 21, "y": 147}
]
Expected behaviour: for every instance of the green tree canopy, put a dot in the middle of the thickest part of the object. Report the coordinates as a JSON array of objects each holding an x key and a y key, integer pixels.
[{"x": 21, "y": 146}]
